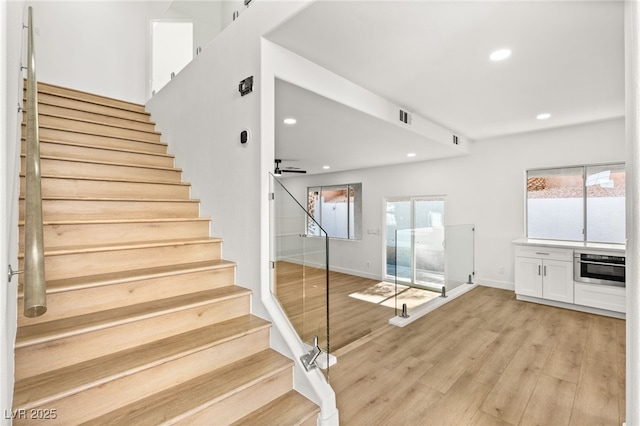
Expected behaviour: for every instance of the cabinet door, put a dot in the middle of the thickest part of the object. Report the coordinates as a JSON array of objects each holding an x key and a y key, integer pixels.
[
  {"x": 528, "y": 276},
  {"x": 557, "y": 279}
]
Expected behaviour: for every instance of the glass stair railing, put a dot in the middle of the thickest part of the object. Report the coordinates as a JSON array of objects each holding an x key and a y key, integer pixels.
[{"x": 300, "y": 275}]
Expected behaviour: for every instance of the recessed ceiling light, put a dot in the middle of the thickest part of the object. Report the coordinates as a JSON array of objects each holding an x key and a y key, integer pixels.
[
  {"x": 411, "y": 154},
  {"x": 326, "y": 167},
  {"x": 290, "y": 121},
  {"x": 500, "y": 55},
  {"x": 543, "y": 116}
]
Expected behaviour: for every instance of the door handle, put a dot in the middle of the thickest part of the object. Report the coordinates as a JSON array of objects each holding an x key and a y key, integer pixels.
[
  {"x": 545, "y": 271},
  {"x": 538, "y": 269}
]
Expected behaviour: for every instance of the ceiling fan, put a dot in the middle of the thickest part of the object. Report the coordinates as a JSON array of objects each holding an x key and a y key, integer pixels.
[{"x": 278, "y": 171}]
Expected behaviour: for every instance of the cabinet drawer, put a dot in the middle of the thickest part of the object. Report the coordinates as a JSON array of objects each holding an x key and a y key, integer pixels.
[
  {"x": 544, "y": 253},
  {"x": 601, "y": 296}
]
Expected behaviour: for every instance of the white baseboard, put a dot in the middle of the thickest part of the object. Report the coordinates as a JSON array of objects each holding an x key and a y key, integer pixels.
[
  {"x": 355, "y": 273},
  {"x": 571, "y": 306},
  {"x": 504, "y": 285}
]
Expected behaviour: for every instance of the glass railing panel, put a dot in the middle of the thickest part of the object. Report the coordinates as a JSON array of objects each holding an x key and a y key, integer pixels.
[
  {"x": 429, "y": 262},
  {"x": 300, "y": 277},
  {"x": 459, "y": 267}
]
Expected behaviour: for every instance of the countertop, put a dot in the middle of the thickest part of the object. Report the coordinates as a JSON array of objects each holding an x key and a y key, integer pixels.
[{"x": 570, "y": 244}]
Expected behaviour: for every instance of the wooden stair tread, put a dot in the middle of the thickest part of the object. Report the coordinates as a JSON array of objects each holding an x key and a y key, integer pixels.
[
  {"x": 85, "y": 132},
  {"x": 89, "y": 248},
  {"x": 51, "y": 103},
  {"x": 89, "y": 281},
  {"x": 106, "y": 148},
  {"x": 107, "y": 163},
  {"x": 110, "y": 221},
  {"x": 289, "y": 409},
  {"x": 48, "y": 331},
  {"x": 150, "y": 200},
  {"x": 87, "y": 121},
  {"x": 89, "y": 97},
  {"x": 81, "y": 178},
  {"x": 49, "y": 386},
  {"x": 199, "y": 393}
]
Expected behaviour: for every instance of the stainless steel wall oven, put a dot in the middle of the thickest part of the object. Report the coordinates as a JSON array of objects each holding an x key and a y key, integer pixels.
[{"x": 599, "y": 269}]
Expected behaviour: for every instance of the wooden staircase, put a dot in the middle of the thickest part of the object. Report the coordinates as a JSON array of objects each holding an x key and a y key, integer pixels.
[{"x": 145, "y": 324}]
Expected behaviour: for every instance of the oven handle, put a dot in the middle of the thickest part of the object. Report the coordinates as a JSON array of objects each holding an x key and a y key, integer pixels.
[{"x": 600, "y": 263}]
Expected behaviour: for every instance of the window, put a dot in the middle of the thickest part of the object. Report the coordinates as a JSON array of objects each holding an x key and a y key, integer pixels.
[
  {"x": 338, "y": 209},
  {"x": 584, "y": 203}
]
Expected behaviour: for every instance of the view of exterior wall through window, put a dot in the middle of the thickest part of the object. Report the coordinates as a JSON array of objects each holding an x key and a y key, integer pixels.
[
  {"x": 338, "y": 209},
  {"x": 583, "y": 203}
]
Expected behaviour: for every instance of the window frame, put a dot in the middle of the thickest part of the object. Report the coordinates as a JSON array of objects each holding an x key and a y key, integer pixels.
[
  {"x": 585, "y": 232},
  {"x": 357, "y": 210}
]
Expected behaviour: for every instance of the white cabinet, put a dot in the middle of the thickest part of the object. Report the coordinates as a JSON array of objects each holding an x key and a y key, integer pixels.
[
  {"x": 528, "y": 276},
  {"x": 601, "y": 296},
  {"x": 544, "y": 273}
]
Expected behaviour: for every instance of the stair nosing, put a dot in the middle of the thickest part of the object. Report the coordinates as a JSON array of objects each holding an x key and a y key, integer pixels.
[
  {"x": 107, "y": 163},
  {"x": 106, "y": 148},
  {"x": 120, "y": 221},
  {"x": 283, "y": 364},
  {"x": 62, "y": 251},
  {"x": 51, "y": 92},
  {"x": 53, "y": 104},
  {"x": 84, "y": 132},
  {"x": 97, "y": 179},
  {"x": 83, "y": 120},
  {"x": 101, "y": 280},
  {"x": 177, "y": 306},
  {"x": 129, "y": 200},
  {"x": 253, "y": 325}
]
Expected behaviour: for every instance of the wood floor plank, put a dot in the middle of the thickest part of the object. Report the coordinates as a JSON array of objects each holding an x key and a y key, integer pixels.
[
  {"x": 550, "y": 403},
  {"x": 516, "y": 377},
  {"x": 490, "y": 365},
  {"x": 510, "y": 396},
  {"x": 460, "y": 404},
  {"x": 566, "y": 359}
]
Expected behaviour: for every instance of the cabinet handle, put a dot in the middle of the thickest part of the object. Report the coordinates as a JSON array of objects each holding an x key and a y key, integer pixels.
[
  {"x": 544, "y": 254},
  {"x": 538, "y": 269},
  {"x": 545, "y": 271}
]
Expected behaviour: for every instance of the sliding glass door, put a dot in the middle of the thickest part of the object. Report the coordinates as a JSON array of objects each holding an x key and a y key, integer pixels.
[{"x": 416, "y": 253}]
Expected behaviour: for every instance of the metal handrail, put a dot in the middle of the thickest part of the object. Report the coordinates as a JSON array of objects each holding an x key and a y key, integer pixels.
[{"x": 35, "y": 303}]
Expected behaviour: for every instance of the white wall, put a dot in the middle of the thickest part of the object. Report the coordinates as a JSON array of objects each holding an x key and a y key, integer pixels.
[
  {"x": 96, "y": 46},
  {"x": 485, "y": 188},
  {"x": 201, "y": 114},
  {"x": 11, "y": 18}
]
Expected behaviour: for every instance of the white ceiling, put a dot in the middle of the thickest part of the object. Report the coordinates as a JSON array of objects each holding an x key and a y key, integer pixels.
[{"x": 432, "y": 57}]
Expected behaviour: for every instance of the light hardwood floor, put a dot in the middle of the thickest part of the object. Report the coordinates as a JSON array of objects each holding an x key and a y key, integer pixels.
[{"x": 487, "y": 359}]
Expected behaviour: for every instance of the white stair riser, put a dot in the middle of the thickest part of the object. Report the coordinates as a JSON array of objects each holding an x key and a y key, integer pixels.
[
  {"x": 73, "y": 152},
  {"x": 81, "y": 169},
  {"x": 79, "y": 264},
  {"x": 58, "y": 210},
  {"x": 63, "y": 187},
  {"x": 63, "y": 235},
  {"x": 99, "y": 400},
  {"x": 79, "y": 348},
  {"x": 65, "y": 304}
]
